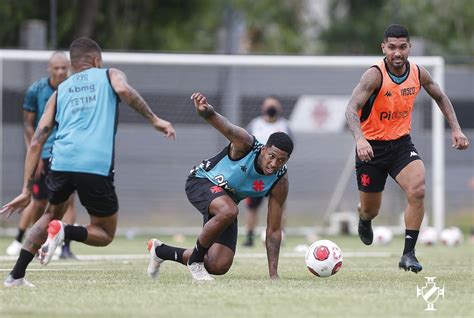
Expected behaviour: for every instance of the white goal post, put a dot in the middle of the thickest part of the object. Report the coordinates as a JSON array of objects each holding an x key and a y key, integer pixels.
[{"x": 436, "y": 64}]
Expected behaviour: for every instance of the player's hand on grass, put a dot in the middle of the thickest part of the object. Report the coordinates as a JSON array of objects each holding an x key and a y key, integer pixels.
[
  {"x": 203, "y": 108},
  {"x": 165, "y": 127},
  {"x": 459, "y": 140},
  {"x": 364, "y": 150},
  {"x": 17, "y": 204}
]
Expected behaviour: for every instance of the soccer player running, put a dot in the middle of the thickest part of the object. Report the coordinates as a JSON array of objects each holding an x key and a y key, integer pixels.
[
  {"x": 85, "y": 109},
  {"x": 245, "y": 168},
  {"x": 33, "y": 107},
  {"x": 270, "y": 121},
  {"x": 379, "y": 115}
]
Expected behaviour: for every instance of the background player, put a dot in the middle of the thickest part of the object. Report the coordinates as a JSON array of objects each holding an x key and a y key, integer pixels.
[
  {"x": 36, "y": 98},
  {"x": 270, "y": 121},
  {"x": 379, "y": 115},
  {"x": 245, "y": 168},
  {"x": 85, "y": 108}
]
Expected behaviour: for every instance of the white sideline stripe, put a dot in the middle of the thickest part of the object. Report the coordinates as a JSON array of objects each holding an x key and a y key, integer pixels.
[{"x": 124, "y": 257}]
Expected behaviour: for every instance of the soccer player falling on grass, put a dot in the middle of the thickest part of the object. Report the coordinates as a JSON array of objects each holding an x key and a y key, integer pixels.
[
  {"x": 85, "y": 109},
  {"x": 245, "y": 168},
  {"x": 34, "y": 105},
  {"x": 379, "y": 115}
]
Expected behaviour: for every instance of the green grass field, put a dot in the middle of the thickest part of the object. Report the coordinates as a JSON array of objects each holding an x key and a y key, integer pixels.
[{"x": 367, "y": 286}]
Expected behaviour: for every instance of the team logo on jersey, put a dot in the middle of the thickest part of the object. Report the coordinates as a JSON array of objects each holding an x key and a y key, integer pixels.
[
  {"x": 413, "y": 154},
  {"x": 258, "y": 185},
  {"x": 388, "y": 94},
  {"x": 216, "y": 189},
  {"x": 365, "y": 180},
  {"x": 243, "y": 168}
]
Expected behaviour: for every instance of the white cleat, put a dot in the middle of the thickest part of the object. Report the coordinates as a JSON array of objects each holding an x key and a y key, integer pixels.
[
  {"x": 199, "y": 272},
  {"x": 19, "y": 282},
  {"x": 153, "y": 269},
  {"x": 14, "y": 248},
  {"x": 55, "y": 239}
]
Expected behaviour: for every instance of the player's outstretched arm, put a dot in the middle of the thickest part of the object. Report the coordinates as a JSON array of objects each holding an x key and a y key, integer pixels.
[
  {"x": 459, "y": 140},
  {"x": 43, "y": 130},
  {"x": 369, "y": 82},
  {"x": 241, "y": 140},
  {"x": 276, "y": 203},
  {"x": 128, "y": 94}
]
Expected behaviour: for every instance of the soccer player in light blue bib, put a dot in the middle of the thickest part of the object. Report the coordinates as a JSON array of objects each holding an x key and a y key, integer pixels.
[
  {"x": 85, "y": 110},
  {"x": 245, "y": 168}
]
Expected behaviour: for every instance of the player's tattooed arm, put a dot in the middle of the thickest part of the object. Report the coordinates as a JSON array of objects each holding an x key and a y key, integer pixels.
[
  {"x": 127, "y": 93},
  {"x": 369, "y": 82},
  {"x": 433, "y": 89},
  {"x": 276, "y": 205},
  {"x": 241, "y": 140},
  {"x": 459, "y": 140}
]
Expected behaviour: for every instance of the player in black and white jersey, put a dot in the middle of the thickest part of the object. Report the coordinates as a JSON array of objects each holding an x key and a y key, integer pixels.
[{"x": 271, "y": 120}]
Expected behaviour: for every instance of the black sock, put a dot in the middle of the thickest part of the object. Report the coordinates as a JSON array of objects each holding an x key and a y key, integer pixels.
[
  {"x": 170, "y": 253},
  {"x": 365, "y": 222},
  {"x": 19, "y": 236},
  {"x": 410, "y": 240},
  {"x": 75, "y": 233},
  {"x": 21, "y": 264},
  {"x": 198, "y": 253}
]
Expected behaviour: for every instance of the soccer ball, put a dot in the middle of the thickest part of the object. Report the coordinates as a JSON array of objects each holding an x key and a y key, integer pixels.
[
  {"x": 324, "y": 258},
  {"x": 428, "y": 236},
  {"x": 382, "y": 235},
  {"x": 451, "y": 236}
]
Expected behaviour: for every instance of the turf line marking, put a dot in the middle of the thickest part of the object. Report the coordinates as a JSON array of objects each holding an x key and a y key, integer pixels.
[{"x": 125, "y": 257}]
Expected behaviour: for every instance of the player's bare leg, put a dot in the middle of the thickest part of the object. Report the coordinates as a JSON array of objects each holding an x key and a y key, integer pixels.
[
  {"x": 36, "y": 237},
  {"x": 101, "y": 230},
  {"x": 412, "y": 180},
  {"x": 368, "y": 209}
]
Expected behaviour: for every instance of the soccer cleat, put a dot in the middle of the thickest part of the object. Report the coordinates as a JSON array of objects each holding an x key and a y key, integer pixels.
[
  {"x": 153, "y": 269},
  {"x": 365, "y": 232},
  {"x": 409, "y": 262},
  {"x": 19, "y": 282},
  {"x": 14, "y": 248},
  {"x": 55, "y": 239},
  {"x": 199, "y": 272}
]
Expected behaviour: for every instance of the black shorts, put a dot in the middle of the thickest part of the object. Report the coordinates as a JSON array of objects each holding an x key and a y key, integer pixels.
[
  {"x": 39, "y": 190},
  {"x": 96, "y": 192},
  {"x": 390, "y": 157},
  {"x": 253, "y": 202},
  {"x": 201, "y": 192}
]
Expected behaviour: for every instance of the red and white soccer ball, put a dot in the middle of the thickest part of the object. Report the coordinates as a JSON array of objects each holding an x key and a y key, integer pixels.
[
  {"x": 324, "y": 258},
  {"x": 382, "y": 235},
  {"x": 451, "y": 236},
  {"x": 428, "y": 236}
]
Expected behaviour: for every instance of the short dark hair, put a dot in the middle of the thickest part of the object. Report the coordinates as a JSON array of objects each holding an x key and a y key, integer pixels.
[
  {"x": 396, "y": 31},
  {"x": 84, "y": 48},
  {"x": 282, "y": 141}
]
